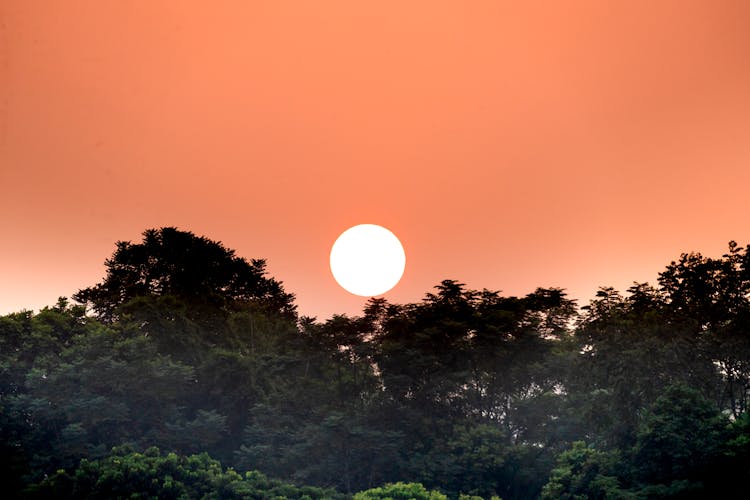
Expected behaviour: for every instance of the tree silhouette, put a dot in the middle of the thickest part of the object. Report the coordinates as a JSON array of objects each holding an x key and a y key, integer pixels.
[
  {"x": 200, "y": 272},
  {"x": 192, "y": 349}
]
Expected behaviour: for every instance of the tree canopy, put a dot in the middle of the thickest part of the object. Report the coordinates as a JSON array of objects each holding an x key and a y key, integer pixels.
[
  {"x": 195, "y": 269},
  {"x": 193, "y": 377}
]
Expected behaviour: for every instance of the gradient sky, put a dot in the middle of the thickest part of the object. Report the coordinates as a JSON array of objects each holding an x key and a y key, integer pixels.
[{"x": 509, "y": 145}]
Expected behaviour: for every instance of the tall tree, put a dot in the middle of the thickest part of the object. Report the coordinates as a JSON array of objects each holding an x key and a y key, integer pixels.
[
  {"x": 711, "y": 297},
  {"x": 201, "y": 272}
]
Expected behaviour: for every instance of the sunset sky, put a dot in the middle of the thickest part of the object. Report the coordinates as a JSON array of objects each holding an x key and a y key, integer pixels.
[{"x": 509, "y": 145}]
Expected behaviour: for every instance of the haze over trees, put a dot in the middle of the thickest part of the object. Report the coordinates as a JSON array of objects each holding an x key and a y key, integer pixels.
[{"x": 187, "y": 373}]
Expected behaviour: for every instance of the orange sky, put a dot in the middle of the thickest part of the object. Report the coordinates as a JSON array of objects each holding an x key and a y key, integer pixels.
[{"x": 509, "y": 145}]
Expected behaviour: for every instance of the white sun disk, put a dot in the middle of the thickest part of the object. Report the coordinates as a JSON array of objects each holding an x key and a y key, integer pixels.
[{"x": 367, "y": 260}]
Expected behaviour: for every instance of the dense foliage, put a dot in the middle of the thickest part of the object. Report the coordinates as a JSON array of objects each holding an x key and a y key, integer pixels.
[
  {"x": 187, "y": 348},
  {"x": 128, "y": 474}
]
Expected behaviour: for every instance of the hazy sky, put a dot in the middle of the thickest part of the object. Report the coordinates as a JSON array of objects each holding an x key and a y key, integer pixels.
[{"x": 509, "y": 145}]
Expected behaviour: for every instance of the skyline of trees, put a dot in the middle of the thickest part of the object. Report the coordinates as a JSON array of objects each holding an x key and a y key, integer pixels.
[{"x": 191, "y": 349}]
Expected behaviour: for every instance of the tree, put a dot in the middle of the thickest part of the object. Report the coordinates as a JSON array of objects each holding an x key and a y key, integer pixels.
[
  {"x": 711, "y": 297},
  {"x": 681, "y": 436},
  {"x": 631, "y": 348},
  {"x": 584, "y": 473},
  {"x": 733, "y": 469},
  {"x": 471, "y": 459},
  {"x": 400, "y": 491},
  {"x": 106, "y": 389},
  {"x": 200, "y": 272},
  {"x": 129, "y": 474}
]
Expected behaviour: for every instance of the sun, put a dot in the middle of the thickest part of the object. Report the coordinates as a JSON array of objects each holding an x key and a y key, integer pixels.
[{"x": 367, "y": 260}]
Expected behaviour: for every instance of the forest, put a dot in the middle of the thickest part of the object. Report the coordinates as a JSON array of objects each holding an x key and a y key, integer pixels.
[{"x": 188, "y": 373}]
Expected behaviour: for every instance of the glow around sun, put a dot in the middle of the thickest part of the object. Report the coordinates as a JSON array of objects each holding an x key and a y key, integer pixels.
[{"x": 367, "y": 260}]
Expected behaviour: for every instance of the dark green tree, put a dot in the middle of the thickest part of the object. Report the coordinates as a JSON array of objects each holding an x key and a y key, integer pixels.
[
  {"x": 202, "y": 273},
  {"x": 681, "y": 436},
  {"x": 711, "y": 298},
  {"x": 631, "y": 349},
  {"x": 584, "y": 473}
]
